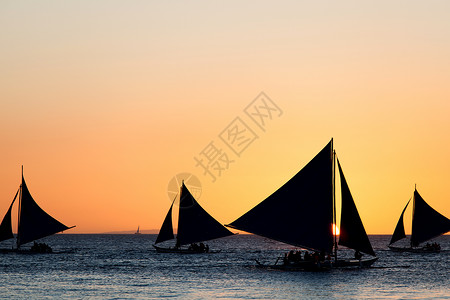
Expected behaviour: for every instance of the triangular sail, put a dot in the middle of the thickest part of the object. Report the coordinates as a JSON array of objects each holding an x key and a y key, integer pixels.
[
  {"x": 352, "y": 232},
  {"x": 399, "y": 232},
  {"x": 6, "y": 226},
  {"x": 427, "y": 223},
  {"x": 166, "y": 231},
  {"x": 194, "y": 223},
  {"x": 299, "y": 213},
  {"x": 34, "y": 223}
]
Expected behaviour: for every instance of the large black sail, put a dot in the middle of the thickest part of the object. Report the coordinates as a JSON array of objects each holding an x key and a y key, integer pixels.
[
  {"x": 166, "y": 232},
  {"x": 427, "y": 223},
  {"x": 399, "y": 232},
  {"x": 6, "y": 226},
  {"x": 194, "y": 223},
  {"x": 34, "y": 223},
  {"x": 352, "y": 232},
  {"x": 299, "y": 213}
]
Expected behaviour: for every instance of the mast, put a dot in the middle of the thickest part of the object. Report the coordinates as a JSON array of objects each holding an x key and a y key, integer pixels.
[
  {"x": 18, "y": 212},
  {"x": 177, "y": 242},
  {"x": 413, "y": 212},
  {"x": 334, "y": 199}
]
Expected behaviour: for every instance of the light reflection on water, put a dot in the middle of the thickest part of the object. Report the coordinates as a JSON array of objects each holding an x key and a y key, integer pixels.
[{"x": 126, "y": 267}]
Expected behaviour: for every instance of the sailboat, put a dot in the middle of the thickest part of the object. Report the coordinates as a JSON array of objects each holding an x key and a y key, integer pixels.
[
  {"x": 33, "y": 222},
  {"x": 194, "y": 225},
  {"x": 137, "y": 231},
  {"x": 302, "y": 213},
  {"x": 427, "y": 224}
]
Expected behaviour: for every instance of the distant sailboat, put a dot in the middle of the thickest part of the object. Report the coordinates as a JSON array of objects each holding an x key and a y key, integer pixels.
[
  {"x": 33, "y": 222},
  {"x": 427, "y": 224},
  {"x": 137, "y": 231},
  {"x": 302, "y": 213},
  {"x": 194, "y": 225}
]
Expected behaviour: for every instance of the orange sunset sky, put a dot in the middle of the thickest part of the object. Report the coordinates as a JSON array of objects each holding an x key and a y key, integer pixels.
[{"x": 103, "y": 102}]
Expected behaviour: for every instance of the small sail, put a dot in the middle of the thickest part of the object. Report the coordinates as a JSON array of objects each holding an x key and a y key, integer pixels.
[
  {"x": 427, "y": 223},
  {"x": 352, "y": 232},
  {"x": 300, "y": 212},
  {"x": 6, "y": 226},
  {"x": 34, "y": 223},
  {"x": 399, "y": 232},
  {"x": 166, "y": 231},
  {"x": 194, "y": 223}
]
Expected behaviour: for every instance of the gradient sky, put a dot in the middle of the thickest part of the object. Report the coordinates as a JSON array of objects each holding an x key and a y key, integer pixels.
[{"x": 103, "y": 102}]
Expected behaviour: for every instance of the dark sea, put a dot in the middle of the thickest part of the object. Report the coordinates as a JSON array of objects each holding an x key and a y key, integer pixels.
[{"x": 106, "y": 266}]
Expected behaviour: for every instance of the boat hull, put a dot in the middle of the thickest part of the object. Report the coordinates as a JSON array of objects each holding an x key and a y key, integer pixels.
[
  {"x": 414, "y": 250},
  {"x": 29, "y": 251},
  {"x": 181, "y": 250},
  {"x": 298, "y": 266},
  {"x": 354, "y": 263},
  {"x": 320, "y": 266}
]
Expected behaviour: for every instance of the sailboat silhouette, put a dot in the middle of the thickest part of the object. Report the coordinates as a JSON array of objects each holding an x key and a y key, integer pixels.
[
  {"x": 302, "y": 213},
  {"x": 33, "y": 222},
  {"x": 194, "y": 225}
]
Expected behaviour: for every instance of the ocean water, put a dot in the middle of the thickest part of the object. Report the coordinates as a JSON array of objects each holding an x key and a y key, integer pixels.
[{"x": 105, "y": 266}]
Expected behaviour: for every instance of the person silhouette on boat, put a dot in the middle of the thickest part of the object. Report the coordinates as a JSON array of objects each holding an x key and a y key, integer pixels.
[
  {"x": 307, "y": 256},
  {"x": 290, "y": 255},
  {"x": 316, "y": 257},
  {"x": 358, "y": 255},
  {"x": 293, "y": 256},
  {"x": 41, "y": 248},
  {"x": 436, "y": 246},
  {"x": 199, "y": 248},
  {"x": 322, "y": 256},
  {"x": 433, "y": 247}
]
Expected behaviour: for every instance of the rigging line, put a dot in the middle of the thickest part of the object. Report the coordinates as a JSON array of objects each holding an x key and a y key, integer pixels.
[
  {"x": 334, "y": 204},
  {"x": 173, "y": 201}
]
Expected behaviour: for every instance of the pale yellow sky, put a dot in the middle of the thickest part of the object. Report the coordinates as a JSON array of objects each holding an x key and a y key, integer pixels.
[{"x": 104, "y": 102}]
